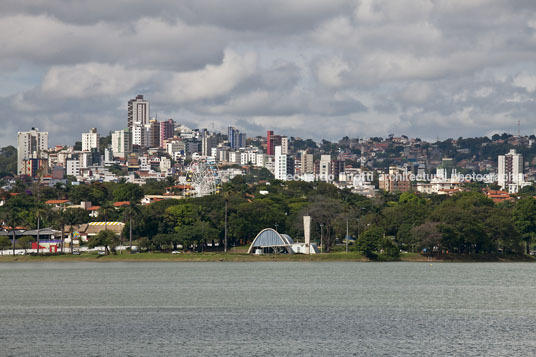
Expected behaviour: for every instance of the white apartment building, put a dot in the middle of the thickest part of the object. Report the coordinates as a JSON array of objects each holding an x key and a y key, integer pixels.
[
  {"x": 138, "y": 111},
  {"x": 234, "y": 157},
  {"x": 325, "y": 167},
  {"x": 260, "y": 160},
  {"x": 73, "y": 167},
  {"x": 139, "y": 134},
  {"x": 280, "y": 167},
  {"x": 176, "y": 147},
  {"x": 510, "y": 172},
  {"x": 90, "y": 140},
  {"x": 121, "y": 143},
  {"x": 31, "y": 144},
  {"x": 284, "y": 145},
  {"x": 165, "y": 165}
]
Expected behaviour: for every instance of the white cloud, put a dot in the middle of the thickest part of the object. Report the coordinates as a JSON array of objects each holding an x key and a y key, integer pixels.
[
  {"x": 211, "y": 81},
  {"x": 91, "y": 79},
  {"x": 308, "y": 67},
  {"x": 526, "y": 81}
]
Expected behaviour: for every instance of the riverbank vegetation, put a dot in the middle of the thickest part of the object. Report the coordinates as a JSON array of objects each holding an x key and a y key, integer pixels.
[{"x": 382, "y": 228}]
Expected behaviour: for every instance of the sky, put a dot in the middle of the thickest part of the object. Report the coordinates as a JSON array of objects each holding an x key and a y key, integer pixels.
[{"x": 304, "y": 68}]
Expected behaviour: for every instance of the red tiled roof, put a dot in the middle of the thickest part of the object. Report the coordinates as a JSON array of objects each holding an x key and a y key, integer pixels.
[
  {"x": 56, "y": 202},
  {"x": 121, "y": 203}
]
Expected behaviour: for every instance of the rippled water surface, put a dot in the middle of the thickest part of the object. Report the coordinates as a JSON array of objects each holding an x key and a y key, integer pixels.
[{"x": 280, "y": 308}]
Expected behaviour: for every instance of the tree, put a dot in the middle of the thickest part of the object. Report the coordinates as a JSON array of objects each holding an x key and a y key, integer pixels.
[
  {"x": 524, "y": 218},
  {"x": 25, "y": 242},
  {"x": 131, "y": 211},
  {"x": 4, "y": 243},
  {"x": 73, "y": 216},
  {"x": 127, "y": 192},
  {"x": 324, "y": 211},
  {"x": 105, "y": 238},
  {"x": 369, "y": 241},
  {"x": 105, "y": 211},
  {"x": 427, "y": 236},
  {"x": 11, "y": 221}
]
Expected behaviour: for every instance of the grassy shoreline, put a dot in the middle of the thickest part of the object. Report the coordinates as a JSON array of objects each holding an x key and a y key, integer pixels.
[{"x": 243, "y": 257}]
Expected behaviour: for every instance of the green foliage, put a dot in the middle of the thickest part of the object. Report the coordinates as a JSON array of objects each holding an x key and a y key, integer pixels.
[
  {"x": 468, "y": 222},
  {"x": 25, "y": 242},
  {"x": 105, "y": 238},
  {"x": 524, "y": 218},
  {"x": 127, "y": 192},
  {"x": 5, "y": 242},
  {"x": 8, "y": 161},
  {"x": 370, "y": 241}
]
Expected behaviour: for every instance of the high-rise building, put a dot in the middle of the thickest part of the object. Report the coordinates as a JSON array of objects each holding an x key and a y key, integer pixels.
[
  {"x": 139, "y": 133},
  {"x": 31, "y": 151},
  {"x": 236, "y": 139},
  {"x": 284, "y": 145},
  {"x": 510, "y": 172},
  {"x": 280, "y": 169},
  {"x": 337, "y": 167},
  {"x": 90, "y": 140},
  {"x": 153, "y": 134},
  {"x": 231, "y": 137},
  {"x": 138, "y": 111},
  {"x": 121, "y": 144},
  {"x": 208, "y": 142},
  {"x": 271, "y": 142},
  {"x": 307, "y": 165},
  {"x": 242, "y": 138},
  {"x": 325, "y": 167},
  {"x": 167, "y": 130}
]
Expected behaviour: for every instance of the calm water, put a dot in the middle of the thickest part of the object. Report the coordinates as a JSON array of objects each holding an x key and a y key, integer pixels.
[{"x": 252, "y": 309}]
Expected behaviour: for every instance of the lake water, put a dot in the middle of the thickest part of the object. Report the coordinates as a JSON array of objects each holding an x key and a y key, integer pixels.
[{"x": 254, "y": 309}]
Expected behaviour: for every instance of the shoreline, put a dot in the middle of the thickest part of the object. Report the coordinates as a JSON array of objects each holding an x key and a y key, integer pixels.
[{"x": 242, "y": 257}]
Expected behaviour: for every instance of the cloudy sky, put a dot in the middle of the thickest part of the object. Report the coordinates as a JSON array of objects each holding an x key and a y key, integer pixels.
[{"x": 309, "y": 68}]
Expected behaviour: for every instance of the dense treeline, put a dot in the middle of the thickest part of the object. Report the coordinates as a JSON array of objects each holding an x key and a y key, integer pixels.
[
  {"x": 8, "y": 161},
  {"x": 468, "y": 222}
]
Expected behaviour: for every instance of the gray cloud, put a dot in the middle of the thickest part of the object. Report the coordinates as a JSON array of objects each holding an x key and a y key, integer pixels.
[{"x": 304, "y": 68}]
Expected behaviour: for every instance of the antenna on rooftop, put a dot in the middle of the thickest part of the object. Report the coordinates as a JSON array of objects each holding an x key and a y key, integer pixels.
[{"x": 519, "y": 128}]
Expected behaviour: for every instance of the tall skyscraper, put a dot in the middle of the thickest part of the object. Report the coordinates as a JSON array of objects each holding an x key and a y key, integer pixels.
[
  {"x": 242, "y": 138},
  {"x": 31, "y": 151},
  {"x": 236, "y": 139},
  {"x": 90, "y": 140},
  {"x": 167, "y": 129},
  {"x": 269, "y": 149},
  {"x": 231, "y": 136},
  {"x": 510, "y": 171},
  {"x": 138, "y": 111},
  {"x": 280, "y": 169}
]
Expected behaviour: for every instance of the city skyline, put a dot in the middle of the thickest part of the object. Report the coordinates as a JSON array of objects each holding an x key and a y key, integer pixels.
[{"x": 312, "y": 69}]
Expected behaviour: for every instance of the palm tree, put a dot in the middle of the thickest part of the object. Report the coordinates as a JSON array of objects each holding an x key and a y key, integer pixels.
[
  {"x": 105, "y": 210},
  {"x": 71, "y": 217},
  {"x": 226, "y": 196},
  {"x": 131, "y": 211},
  {"x": 59, "y": 220}
]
